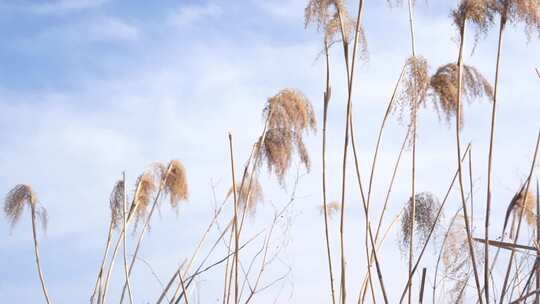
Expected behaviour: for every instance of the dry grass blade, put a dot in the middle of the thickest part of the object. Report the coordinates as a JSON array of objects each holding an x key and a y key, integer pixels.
[{"x": 445, "y": 92}]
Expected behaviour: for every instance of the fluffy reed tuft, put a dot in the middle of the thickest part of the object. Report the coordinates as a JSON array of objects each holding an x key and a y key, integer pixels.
[
  {"x": 331, "y": 209},
  {"x": 415, "y": 86},
  {"x": 427, "y": 206},
  {"x": 478, "y": 12},
  {"x": 289, "y": 115},
  {"x": 249, "y": 198},
  {"x": 330, "y": 16},
  {"x": 445, "y": 93},
  {"x": 527, "y": 202},
  {"x": 525, "y": 11},
  {"x": 175, "y": 183},
  {"x": 15, "y": 201},
  {"x": 116, "y": 202},
  {"x": 146, "y": 186},
  {"x": 458, "y": 265}
]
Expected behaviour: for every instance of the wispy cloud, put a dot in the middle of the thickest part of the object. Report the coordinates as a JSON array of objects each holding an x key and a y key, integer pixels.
[
  {"x": 188, "y": 15},
  {"x": 57, "y": 7}
]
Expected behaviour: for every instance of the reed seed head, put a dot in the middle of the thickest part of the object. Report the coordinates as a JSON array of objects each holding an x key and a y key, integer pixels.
[
  {"x": 526, "y": 201},
  {"x": 116, "y": 202},
  {"x": 146, "y": 186},
  {"x": 332, "y": 208},
  {"x": 330, "y": 16},
  {"x": 415, "y": 87},
  {"x": 477, "y": 12},
  {"x": 520, "y": 11},
  {"x": 17, "y": 198},
  {"x": 456, "y": 260},
  {"x": 427, "y": 206},
  {"x": 445, "y": 92},
  {"x": 175, "y": 184},
  {"x": 250, "y": 194},
  {"x": 289, "y": 116}
]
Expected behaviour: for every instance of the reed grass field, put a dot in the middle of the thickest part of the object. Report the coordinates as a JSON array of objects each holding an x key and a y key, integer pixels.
[{"x": 302, "y": 151}]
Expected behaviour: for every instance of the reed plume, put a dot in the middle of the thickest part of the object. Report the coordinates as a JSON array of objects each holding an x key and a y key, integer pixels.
[
  {"x": 116, "y": 202},
  {"x": 425, "y": 219},
  {"x": 146, "y": 186},
  {"x": 249, "y": 198},
  {"x": 477, "y": 12},
  {"x": 175, "y": 183},
  {"x": 416, "y": 82},
  {"x": 332, "y": 208},
  {"x": 333, "y": 18},
  {"x": 516, "y": 11},
  {"x": 445, "y": 91},
  {"x": 289, "y": 115},
  {"x": 457, "y": 265},
  {"x": 23, "y": 195},
  {"x": 523, "y": 201}
]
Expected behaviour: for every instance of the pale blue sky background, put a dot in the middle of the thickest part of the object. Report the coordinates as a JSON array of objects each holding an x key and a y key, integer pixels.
[{"x": 91, "y": 88}]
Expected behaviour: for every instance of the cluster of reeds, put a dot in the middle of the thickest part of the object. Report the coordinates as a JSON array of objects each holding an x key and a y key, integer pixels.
[{"x": 468, "y": 263}]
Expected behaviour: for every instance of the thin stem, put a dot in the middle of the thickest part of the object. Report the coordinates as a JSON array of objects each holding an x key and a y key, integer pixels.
[
  {"x": 460, "y": 171},
  {"x": 350, "y": 77},
  {"x": 98, "y": 286},
  {"x": 327, "y": 95},
  {"x": 124, "y": 224},
  {"x": 490, "y": 159},
  {"x": 36, "y": 251},
  {"x": 235, "y": 221},
  {"x": 522, "y": 210},
  {"x": 432, "y": 229}
]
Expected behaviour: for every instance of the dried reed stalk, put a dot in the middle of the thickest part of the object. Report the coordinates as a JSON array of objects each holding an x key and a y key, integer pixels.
[
  {"x": 23, "y": 195},
  {"x": 173, "y": 182},
  {"x": 433, "y": 227},
  {"x": 522, "y": 211},
  {"x": 235, "y": 221},
  {"x": 124, "y": 226},
  {"x": 477, "y": 12}
]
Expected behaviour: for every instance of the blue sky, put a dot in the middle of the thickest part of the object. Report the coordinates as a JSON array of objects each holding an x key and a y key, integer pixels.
[{"x": 91, "y": 88}]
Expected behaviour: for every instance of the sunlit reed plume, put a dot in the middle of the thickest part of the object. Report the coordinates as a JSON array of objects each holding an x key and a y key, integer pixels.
[
  {"x": 116, "y": 202},
  {"x": 176, "y": 185},
  {"x": 427, "y": 206},
  {"x": 326, "y": 15},
  {"x": 331, "y": 209},
  {"x": 477, "y": 12},
  {"x": 289, "y": 116},
  {"x": 516, "y": 11},
  {"x": 527, "y": 202},
  {"x": 444, "y": 86},
  {"x": 146, "y": 186},
  {"x": 15, "y": 201}
]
